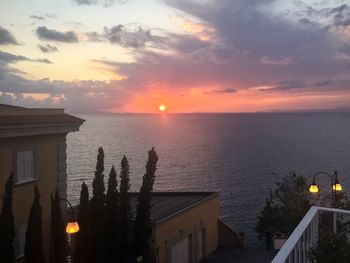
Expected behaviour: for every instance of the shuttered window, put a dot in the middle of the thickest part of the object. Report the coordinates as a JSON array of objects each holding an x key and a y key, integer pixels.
[
  {"x": 20, "y": 240},
  {"x": 24, "y": 166}
]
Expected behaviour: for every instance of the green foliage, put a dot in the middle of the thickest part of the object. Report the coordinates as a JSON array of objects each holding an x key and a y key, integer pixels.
[
  {"x": 286, "y": 206},
  {"x": 33, "y": 251},
  {"x": 125, "y": 214},
  {"x": 112, "y": 244},
  {"x": 269, "y": 217},
  {"x": 83, "y": 237},
  {"x": 59, "y": 243},
  {"x": 98, "y": 211},
  {"x": 7, "y": 228},
  {"x": 143, "y": 212},
  {"x": 332, "y": 248}
]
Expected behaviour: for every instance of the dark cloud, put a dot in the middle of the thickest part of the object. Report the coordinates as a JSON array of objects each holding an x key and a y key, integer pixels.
[
  {"x": 47, "y": 48},
  {"x": 247, "y": 48},
  {"x": 337, "y": 16},
  {"x": 341, "y": 15},
  {"x": 6, "y": 38},
  {"x": 307, "y": 22},
  {"x": 133, "y": 39},
  {"x": 50, "y": 34},
  {"x": 10, "y": 58}
]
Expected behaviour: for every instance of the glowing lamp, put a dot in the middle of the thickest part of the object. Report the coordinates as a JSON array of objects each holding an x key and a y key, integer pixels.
[
  {"x": 337, "y": 187},
  {"x": 72, "y": 227},
  {"x": 313, "y": 188}
]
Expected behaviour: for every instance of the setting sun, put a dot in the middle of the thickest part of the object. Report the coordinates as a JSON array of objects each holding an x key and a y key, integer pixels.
[{"x": 162, "y": 107}]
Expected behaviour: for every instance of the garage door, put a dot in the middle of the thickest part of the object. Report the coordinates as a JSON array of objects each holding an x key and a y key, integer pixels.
[{"x": 180, "y": 252}]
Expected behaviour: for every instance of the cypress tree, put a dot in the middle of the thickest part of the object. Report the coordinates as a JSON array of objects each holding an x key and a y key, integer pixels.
[
  {"x": 59, "y": 245},
  {"x": 142, "y": 221},
  {"x": 112, "y": 217},
  {"x": 33, "y": 250},
  {"x": 98, "y": 211},
  {"x": 125, "y": 214},
  {"x": 83, "y": 237},
  {"x": 7, "y": 228}
]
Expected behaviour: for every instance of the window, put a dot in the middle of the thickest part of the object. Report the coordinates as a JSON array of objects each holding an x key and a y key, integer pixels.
[
  {"x": 24, "y": 166},
  {"x": 20, "y": 240},
  {"x": 201, "y": 242}
]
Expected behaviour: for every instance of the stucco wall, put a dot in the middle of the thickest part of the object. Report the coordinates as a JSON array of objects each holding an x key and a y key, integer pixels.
[
  {"x": 46, "y": 170},
  {"x": 170, "y": 231}
]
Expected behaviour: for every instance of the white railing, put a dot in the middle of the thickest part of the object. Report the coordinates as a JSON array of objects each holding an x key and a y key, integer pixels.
[{"x": 304, "y": 237}]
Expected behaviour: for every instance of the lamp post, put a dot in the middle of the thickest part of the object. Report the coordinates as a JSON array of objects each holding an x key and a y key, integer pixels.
[
  {"x": 335, "y": 187},
  {"x": 72, "y": 226}
]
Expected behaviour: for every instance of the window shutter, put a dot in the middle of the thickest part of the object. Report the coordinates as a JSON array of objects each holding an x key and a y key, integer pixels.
[
  {"x": 20, "y": 166},
  {"x": 20, "y": 240},
  {"x": 29, "y": 165}
]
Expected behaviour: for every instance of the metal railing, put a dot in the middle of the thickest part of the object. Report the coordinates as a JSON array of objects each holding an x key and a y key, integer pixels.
[{"x": 305, "y": 236}]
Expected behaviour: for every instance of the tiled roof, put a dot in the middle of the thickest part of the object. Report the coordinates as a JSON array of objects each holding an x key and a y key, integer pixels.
[
  {"x": 165, "y": 204},
  {"x": 11, "y": 116},
  {"x": 9, "y": 107},
  {"x": 38, "y": 119}
]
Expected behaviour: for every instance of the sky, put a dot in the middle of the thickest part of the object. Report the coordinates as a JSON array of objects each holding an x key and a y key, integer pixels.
[{"x": 190, "y": 55}]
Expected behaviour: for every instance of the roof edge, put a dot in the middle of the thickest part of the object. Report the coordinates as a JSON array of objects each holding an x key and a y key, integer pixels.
[{"x": 210, "y": 196}]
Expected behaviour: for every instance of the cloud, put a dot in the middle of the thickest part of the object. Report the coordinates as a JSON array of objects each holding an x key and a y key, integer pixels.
[
  {"x": 297, "y": 84},
  {"x": 48, "y": 48},
  {"x": 345, "y": 49},
  {"x": 77, "y": 96},
  {"x": 341, "y": 15},
  {"x": 307, "y": 22},
  {"x": 276, "y": 61},
  {"x": 37, "y": 17},
  {"x": 105, "y": 3},
  {"x": 226, "y": 90},
  {"x": 50, "y": 34},
  {"x": 94, "y": 37},
  {"x": 10, "y": 58},
  {"x": 133, "y": 39},
  {"x": 6, "y": 38}
]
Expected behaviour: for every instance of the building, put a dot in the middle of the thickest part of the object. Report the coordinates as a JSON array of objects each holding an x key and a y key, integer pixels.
[
  {"x": 33, "y": 147},
  {"x": 184, "y": 225}
]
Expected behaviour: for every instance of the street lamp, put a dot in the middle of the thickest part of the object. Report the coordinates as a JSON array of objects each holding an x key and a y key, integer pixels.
[
  {"x": 335, "y": 187},
  {"x": 72, "y": 225}
]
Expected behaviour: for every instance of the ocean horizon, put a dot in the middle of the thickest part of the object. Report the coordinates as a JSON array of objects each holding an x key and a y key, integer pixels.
[{"x": 239, "y": 155}]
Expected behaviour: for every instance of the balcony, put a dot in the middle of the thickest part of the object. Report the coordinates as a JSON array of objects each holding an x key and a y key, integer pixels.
[{"x": 305, "y": 237}]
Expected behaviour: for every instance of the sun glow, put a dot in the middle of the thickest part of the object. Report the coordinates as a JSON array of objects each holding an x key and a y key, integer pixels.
[{"x": 162, "y": 107}]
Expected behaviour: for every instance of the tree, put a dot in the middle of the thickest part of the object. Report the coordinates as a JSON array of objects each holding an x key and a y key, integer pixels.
[
  {"x": 112, "y": 217},
  {"x": 331, "y": 248},
  {"x": 83, "y": 237},
  {"x": 142, "y": 221},
  {"x": 33, "y": 250},
  {"x": 286, "y": 206},
  {"x": 125, "y": 214},
  {"x": 59, "y": 245},
  {"x": 98, "y": 211},
  {"x": 7, "y": 228}
]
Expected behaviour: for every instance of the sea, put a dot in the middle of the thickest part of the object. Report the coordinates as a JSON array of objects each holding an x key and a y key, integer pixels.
[{"x": 241, "y": 156}]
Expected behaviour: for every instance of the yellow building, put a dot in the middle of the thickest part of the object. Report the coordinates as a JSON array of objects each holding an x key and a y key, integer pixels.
[
  {"x": 33, "y": 147},
  {"x": 184, "y": 225}
]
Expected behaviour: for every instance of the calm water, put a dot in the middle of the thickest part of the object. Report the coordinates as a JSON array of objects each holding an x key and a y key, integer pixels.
[{"x": 238, "y": 155}]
